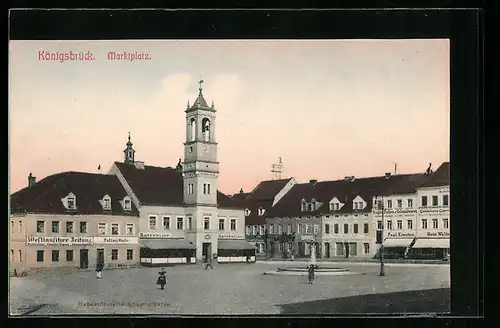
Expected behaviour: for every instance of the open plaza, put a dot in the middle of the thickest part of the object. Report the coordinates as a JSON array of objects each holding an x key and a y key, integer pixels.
[{"x": 232, "y": 289}]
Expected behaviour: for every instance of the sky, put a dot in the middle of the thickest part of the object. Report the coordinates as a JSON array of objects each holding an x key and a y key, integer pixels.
[{"x": 328, "y": 108}]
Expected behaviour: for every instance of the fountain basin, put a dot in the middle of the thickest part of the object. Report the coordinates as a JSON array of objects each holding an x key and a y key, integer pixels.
[
  {"x": 319, "y": 269},
  {"x": 317, "y": 273}
]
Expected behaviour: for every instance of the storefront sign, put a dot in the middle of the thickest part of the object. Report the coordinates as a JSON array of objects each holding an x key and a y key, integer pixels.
[
  {"x": 401, "y": 234},
  {"x": 231, "y": 236},
  {"x": 444, "y": 234},
  {"x": 155, "y": 235},
  {"x": 39, "y": 240},
  {"x": 307, "y": 238},
  {"x": 434, "y": 210},
  {"x": 116, "y": 240},
  {"x": 390, "y": 211}
]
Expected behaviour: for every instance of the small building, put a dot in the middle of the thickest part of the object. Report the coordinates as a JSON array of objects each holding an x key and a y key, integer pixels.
[{"x": 73, "y": 219}]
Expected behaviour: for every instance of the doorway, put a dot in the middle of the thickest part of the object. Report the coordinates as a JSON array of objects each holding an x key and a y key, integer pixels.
[
  {"x": 206, "y": 250},
  {"x": 84, "y": 259},
  {"x": 100, "y": 256},
  {"x": 327, "y": 250}
]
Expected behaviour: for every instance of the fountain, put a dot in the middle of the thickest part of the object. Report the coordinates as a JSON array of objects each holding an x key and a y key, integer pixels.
[{"x": 323, "y": 270}]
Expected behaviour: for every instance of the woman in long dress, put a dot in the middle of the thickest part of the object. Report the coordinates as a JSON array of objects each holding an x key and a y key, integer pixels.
[
  {"x": 310, "y": 273},
  {"x": 162, "y": 279}
]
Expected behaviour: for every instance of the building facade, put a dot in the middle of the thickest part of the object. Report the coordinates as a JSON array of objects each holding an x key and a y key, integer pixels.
[
  {"x": 183, "y": 215},
  {"x": 73, "y": 219}
]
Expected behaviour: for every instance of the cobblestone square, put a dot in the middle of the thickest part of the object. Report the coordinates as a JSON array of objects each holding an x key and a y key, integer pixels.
[{"x": 228, "y": 289}]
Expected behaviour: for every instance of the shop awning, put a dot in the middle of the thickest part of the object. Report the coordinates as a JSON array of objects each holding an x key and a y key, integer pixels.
[
  {"x": 235, "y": 244},
  {"x": 167, "y": 244},
  {"x": 397, "y": 242},
  {"x": 432, "y": 243}
]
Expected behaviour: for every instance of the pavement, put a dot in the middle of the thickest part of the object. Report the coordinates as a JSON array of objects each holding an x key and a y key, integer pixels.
[{"x": 228, "y": 289}]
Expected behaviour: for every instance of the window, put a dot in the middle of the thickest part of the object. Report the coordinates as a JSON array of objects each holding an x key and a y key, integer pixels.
[
  {"x": 106, "y": 203},
  {"x": 424, "y": 201},
  {"x": 190, "y": 223},
  {"x": 327, "y": 229},
  {"x": 204, "y": 188},
  {"x": 20, "y": 226},
  {"x": 355, "y": 228},
  {"x": 445, "y": 200},
  {"x": 247, "y": 212},
  {"x": 166, "y": 223},
  {"x": 434, "y": 223},
  {"x": 114, "y": 254},
  {"x": 130, "y": 254},
  {"x": 127, "y": 204},
  {"x": 12, "y": 227},
  {"x": 316, "y": 228},
  {"x": 399, "y": 224},
  {"x": 262, "y": 229},
  {"x": 71, "y": 203},
  {"x": 39, "y": 256},
  {"x": 280, "y": 229},
  {"x": 424, "y": 223},
  {"x": 102, "y": 228},
  {"x": 336, "y": 216},
  {"x": 410, "y": 224},
  {"x": 115, "y": 229},
  {"x": 336, "y": 206},
  {"x": 55, "y": 255},
  {"x": 355, "y": 205},
  {"x": 389, "y": 204},
  {"x": 20, "y": 255},
  {"x": 289, "y": 229},
  {"x": 261, "y": 211},
  {"x": 152, "y": 222},
  {"x": 69, "y": 227},
  {"x": 190, "y": 189},
  {"x": 445, "y": 224},
  {"x": 271, "y": 228},
  {"x": 208, "y": 188},
  {"x": 308, "y": 228},
  {"x": 206, "y": 223},
  {"x": 83, "y": 227},
  {"x": 280, "y": 247},
  {"x": 355, "y": 215},
  {"x": 69, "y": 255},
  {"x": 365, "y": 228},
  {"x": 40, "y": 226},
  {"x": 300, "y": 228},
  {"x": 435, "y": 201},
  {"x": 379, "y": 225},
  {"x": 233, "y": 224},
  {"x": 248, "y": 230},
  {"x": 400, "y": 203},
  {"x": 366, "y": 247},
  {"x": 336, "y": 228},
  {"x": 55, "y": 226},
  {"x": 180, "y": 223},
  {"x": 346, "y": 228},
  {"x": 11, "y": 255},
  {"x": 254, "y": 230},
  {"x": 409, "y": 202},
  {"x": 331, "y": 207},
  {"x": 389, "y": 225},
  {"x": 130, "y": 229}
]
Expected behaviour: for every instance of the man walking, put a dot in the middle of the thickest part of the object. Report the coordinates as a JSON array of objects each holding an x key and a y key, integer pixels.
[
  {"x": 209, "y": 263},
  {"x": 98, "y": 270}
]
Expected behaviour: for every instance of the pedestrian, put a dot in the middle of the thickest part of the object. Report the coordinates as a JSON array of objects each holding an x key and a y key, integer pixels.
[
  {"x": 310, "y": 273},
  {"x": 162, "y": 279},
  {"x": 209, "y": 263},
  {"x": 98, "y": 270}
]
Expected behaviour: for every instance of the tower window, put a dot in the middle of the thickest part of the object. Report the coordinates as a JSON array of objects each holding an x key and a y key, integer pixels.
[
  {"x": 205, "y": 129},
  {"x": 208, "y": 188},
  {"x": 192, "y": 130}
]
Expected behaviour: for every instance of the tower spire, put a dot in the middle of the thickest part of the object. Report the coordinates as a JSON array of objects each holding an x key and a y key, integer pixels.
[
  {"x": 200, "y": 83},
  {"x": 129, "y": 151}
]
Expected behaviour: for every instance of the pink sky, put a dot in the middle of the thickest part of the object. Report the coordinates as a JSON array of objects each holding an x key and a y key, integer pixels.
[{"x": 329, "y": 108}]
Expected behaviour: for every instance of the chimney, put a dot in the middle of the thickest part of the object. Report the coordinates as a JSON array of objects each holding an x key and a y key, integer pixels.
[
  {"x": 347, "y": 178},
  {"x": 241, "y": 191},
  {"x": 352, "y": 178},
  {"x": 31, "y": 180},
  {"x": 313, "y": 182},
  {"x": 388, "y": 175}
]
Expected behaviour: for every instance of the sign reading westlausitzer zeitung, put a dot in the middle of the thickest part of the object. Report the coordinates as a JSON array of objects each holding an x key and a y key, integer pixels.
[{"x": 40, "y": 240}]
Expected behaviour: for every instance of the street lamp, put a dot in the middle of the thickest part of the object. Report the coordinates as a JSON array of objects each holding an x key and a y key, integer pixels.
[{"x": 380, "y": 206}]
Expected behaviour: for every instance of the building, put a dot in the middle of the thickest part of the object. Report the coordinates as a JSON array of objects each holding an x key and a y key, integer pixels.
[
  {"x": 183, "y": 215},
  {"x": 73, "y": 219},
  {"x": 433, "y": 228},
  {"x": 256, "y": 203}
]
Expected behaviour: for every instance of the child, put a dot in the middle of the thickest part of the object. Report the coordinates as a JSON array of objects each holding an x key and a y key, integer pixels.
[
  {"x": 98, "y": 270},
  {"x": 310, "y": 273},
  {"x": 162, "y": 279}
]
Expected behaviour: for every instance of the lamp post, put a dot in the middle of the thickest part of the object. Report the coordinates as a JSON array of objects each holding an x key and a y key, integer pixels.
[{"x": 381, "y": 207}]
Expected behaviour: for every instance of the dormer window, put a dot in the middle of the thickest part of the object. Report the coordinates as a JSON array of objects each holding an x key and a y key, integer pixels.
[
  {"x": 126, "y": 203},
  {"x": 309, "y": 207},
  {"x": 247, "y": 212},
  {"x": 261, "y": 211},
  {"x": 106, "y": 203},
  {"x": 69, "y": 201}
]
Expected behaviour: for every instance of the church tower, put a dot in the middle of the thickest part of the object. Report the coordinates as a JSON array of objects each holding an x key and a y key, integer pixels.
[
  {"x": 201, "y": 168},
  {"x": 129, "y": 152}
]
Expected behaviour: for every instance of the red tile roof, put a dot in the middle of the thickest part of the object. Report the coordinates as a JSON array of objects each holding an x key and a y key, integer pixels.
[
  {"x": 441, "y": 177},
  {"x": 89, "y": 188},
  {"x": 162, "y": 186},
  {"x": 345, "y": 191}
]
